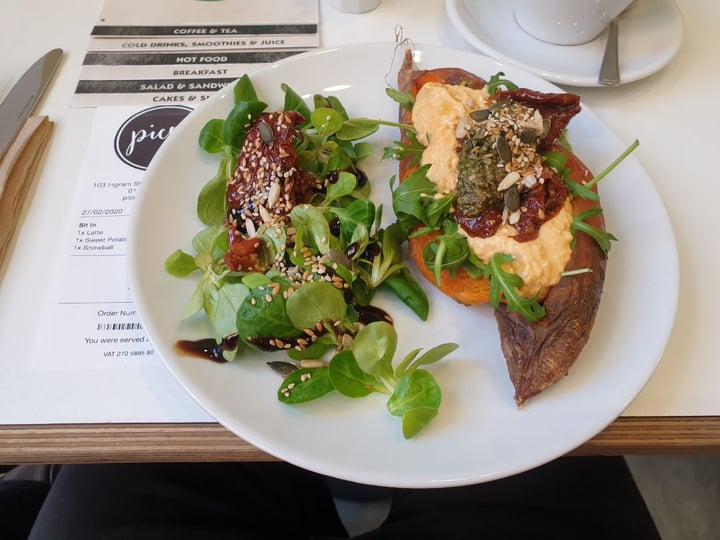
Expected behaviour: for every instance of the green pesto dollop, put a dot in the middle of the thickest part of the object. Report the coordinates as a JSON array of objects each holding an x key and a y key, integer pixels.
[{"x": 478, "y": 175}]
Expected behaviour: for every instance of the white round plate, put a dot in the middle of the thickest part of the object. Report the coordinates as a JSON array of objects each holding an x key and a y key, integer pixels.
[
  {"x": 650, "y": 34},
  {"x": 479, "y": 433}
]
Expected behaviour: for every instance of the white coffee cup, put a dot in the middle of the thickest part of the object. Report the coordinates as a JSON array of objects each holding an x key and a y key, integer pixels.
[
  {"x": 566, "y": 22},
  {"x": 355, "y": 6}
]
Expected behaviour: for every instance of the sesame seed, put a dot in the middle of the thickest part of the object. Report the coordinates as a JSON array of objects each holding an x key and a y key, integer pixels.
[{"x": 311, "y": 363}]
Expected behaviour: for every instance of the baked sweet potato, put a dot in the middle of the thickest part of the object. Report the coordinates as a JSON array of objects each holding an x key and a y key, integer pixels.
[{"x": 537, "y": 353}]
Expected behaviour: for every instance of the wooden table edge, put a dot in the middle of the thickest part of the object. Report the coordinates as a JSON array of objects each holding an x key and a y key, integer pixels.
[{"x": 170, "y": 442}]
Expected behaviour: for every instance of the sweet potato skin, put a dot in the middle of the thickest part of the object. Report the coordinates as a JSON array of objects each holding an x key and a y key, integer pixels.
[{"x": 537, "y": 354}]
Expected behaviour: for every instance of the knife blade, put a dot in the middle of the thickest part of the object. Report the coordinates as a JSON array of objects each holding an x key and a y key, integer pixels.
[{"x": 24, "y": 95}]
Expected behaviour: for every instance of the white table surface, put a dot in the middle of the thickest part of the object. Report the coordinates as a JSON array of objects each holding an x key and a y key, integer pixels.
[{"x": 672, "y": 112}]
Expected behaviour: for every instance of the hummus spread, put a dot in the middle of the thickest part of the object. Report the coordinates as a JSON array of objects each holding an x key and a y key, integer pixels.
[{"x": 440, "y": 113}]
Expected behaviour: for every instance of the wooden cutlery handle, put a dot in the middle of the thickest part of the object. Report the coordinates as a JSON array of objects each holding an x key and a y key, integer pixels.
[{"x": 17, "y": 171}]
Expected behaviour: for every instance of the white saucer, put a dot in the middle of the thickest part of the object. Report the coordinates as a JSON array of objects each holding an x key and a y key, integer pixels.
[{"x": 650, "y": 35}]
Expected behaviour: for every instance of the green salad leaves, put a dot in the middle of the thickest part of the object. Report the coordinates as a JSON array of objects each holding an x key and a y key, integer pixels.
[{"x": 322, "y": 267}]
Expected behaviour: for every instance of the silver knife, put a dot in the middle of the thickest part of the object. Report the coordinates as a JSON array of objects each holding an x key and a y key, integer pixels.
[{"x": 23, "y": 97}]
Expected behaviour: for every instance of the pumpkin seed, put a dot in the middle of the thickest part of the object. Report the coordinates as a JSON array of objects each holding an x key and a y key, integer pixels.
[
  {"x": 339, "y": 257},
  {"x": 546, "y": 128},
  {"x": 503, "y": 149},
  {"x": 528, "y": 136},
  {"x": 283, "y": 368},
  {"x": 480, "y": 115},
  {"x": 512, "y": 198},
  {"x": 266, "y": 132}
]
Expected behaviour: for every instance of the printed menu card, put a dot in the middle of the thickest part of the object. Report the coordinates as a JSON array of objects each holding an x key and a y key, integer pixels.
[{"x": 182, "y": 51}]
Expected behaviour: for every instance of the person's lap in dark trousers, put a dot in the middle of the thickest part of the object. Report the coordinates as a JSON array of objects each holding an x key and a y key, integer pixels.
[
  {"x": 570, "y": 498},
  {"x": 20, "y": 500}
]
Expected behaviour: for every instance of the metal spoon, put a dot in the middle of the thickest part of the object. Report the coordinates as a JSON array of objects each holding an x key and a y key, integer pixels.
[{"x": 610, "y": 67}]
